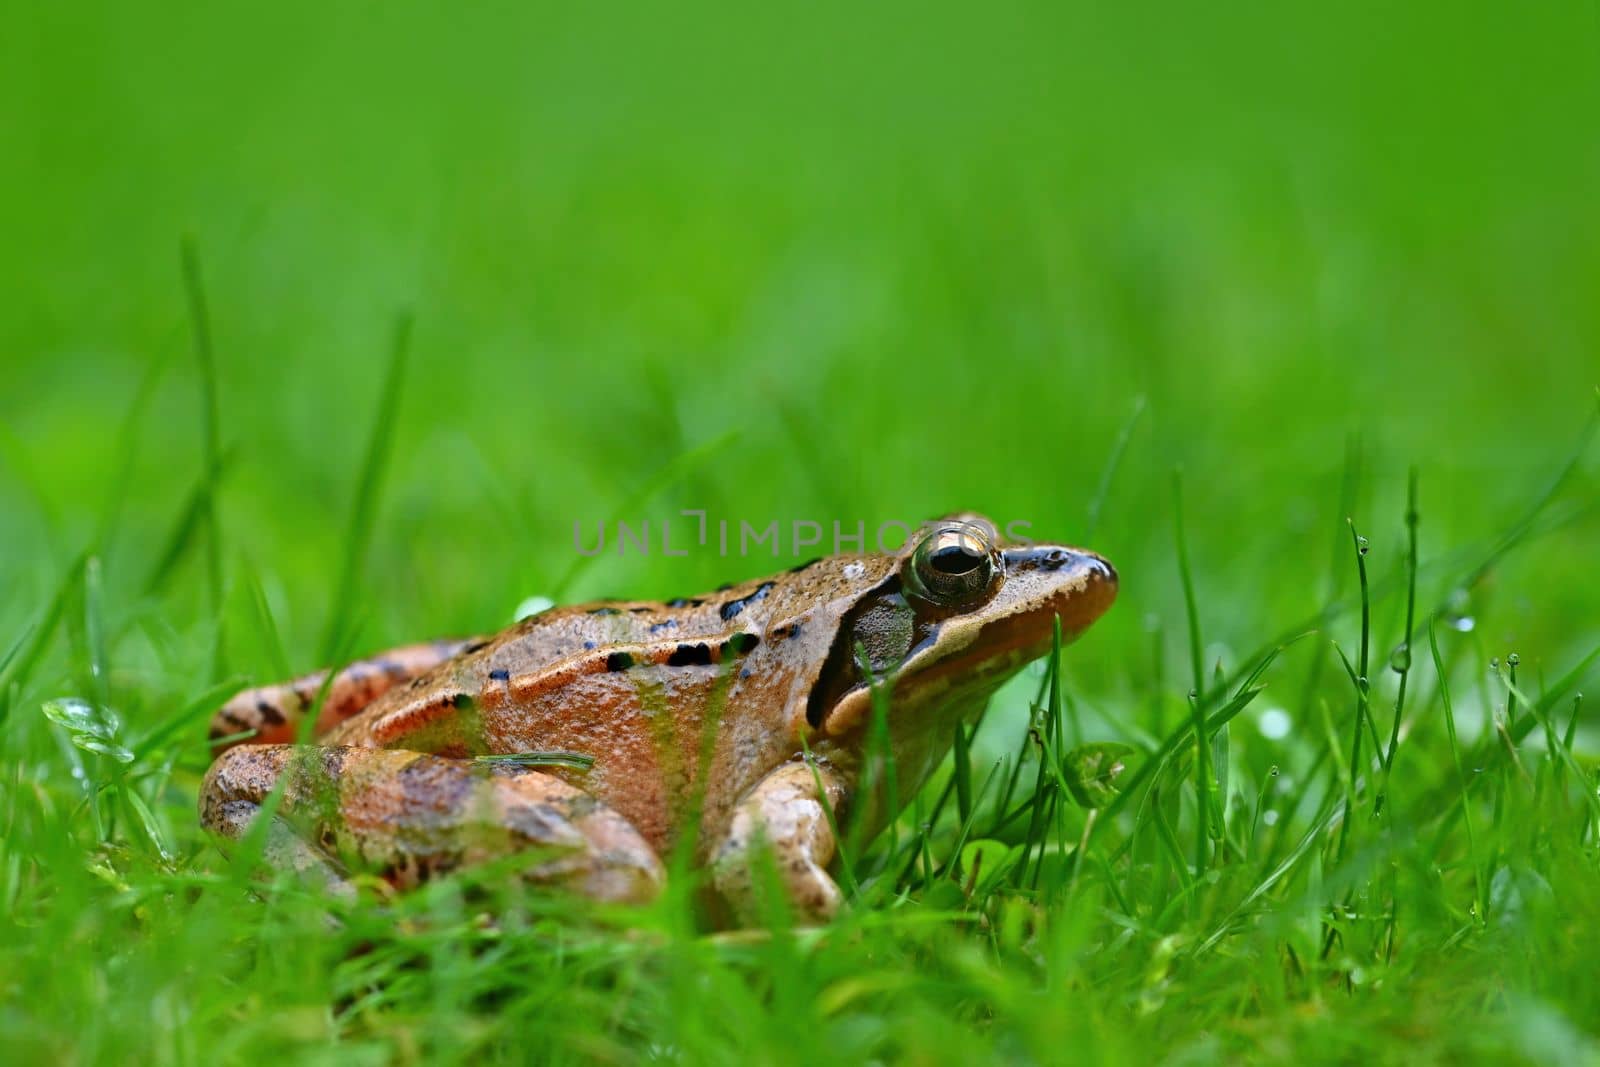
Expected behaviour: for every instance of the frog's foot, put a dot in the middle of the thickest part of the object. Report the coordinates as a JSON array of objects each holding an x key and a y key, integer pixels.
[
  {"x": 782, "y": 825},
  {"x": 274, "y": 712},
  {"x": 407, "y": 816}
]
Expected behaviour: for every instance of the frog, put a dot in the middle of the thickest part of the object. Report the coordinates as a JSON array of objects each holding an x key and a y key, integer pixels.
[{"x": 586, "y": 743}]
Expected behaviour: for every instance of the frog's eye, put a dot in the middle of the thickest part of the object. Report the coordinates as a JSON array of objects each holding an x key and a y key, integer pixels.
[{"x": 955, "y": 566}]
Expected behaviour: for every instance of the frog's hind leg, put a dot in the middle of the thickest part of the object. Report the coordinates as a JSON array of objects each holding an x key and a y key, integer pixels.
[
  {"x": 275, "y": 712},
  {"x": 406, "y": 815}
]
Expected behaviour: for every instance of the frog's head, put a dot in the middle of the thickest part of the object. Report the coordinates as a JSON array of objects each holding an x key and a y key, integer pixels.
[{"x": 958, "y": 613}]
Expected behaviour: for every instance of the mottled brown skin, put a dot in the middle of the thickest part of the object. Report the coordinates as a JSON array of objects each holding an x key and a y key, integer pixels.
[{"x": 693, "y": 711}]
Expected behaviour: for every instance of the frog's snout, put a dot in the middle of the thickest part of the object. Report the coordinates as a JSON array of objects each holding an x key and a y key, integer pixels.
[
  {"x": 1102, "y": 569},
  {"x": 1102, "y": 582},
  {"x": 1073, "y": 584}
]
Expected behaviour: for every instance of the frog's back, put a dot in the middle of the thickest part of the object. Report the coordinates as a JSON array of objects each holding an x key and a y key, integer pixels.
[{"x": 656, "y": 693}]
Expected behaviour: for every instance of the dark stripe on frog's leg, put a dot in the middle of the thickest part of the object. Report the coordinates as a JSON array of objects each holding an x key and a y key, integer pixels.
[
  {"x": 274, "y": 712},
  {"x": 408, "y": 816}
]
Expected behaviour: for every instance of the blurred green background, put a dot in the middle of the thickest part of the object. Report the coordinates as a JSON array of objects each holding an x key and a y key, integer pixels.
[
  {"x": 910, "y": 258},
  {"x": 812, "y": 263}
]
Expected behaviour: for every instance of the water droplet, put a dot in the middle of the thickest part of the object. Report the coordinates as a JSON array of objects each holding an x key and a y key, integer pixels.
[
  {"x": 1274, "y": 724},
  {"x": 1494, "y": 665},
  {"x": 1465, "y": 624},
  {"x": 1362, "y": 684},
  {"x": 1513, "y": 659},
  {"x": 533, "y": 605},
  {"x": 1269, "y": 817},
  {"x": 1272, "y": 772},
  {"x": 1362, "y": 545},
  {"x": 1400, "y": 658}
]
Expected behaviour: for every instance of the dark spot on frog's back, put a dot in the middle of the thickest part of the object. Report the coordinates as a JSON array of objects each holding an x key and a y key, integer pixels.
[
  {"x": 269, "y": 713},
  {"x": 685, "y": 602},
  {"x": 618, "y": 661},
  {"x": 690, "y": 655},
  {"x": 501, "y": 675},
  {"x": 733, "y": 607},
  {"x": 665, "y": 624},
  {"x": 604, "y": 610},
  {"x": 739, "y": 644}
]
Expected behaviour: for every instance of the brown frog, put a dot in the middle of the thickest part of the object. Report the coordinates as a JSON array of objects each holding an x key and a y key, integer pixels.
[{"x": 696, "y": 714}]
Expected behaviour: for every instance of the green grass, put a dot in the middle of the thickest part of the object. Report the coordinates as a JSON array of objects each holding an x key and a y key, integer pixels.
[{"x": 321, "y": 333}]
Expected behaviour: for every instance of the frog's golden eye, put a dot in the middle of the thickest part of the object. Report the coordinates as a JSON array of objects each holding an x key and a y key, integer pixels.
[{"x": 955, "y": 566}]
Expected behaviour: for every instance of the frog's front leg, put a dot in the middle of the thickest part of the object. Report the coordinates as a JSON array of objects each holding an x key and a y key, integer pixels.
[
  {"x": 783, "y": 821},
  {"x": 407, "y": 815}
]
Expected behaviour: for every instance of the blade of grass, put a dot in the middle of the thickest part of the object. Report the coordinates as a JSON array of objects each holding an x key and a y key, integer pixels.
[
  {"x": 190, "y": 524},
  {"x": 205, "y": 356},
  {"x": 847, "y": 868},
  {"x": 1519, "y": 531},
  {"x": 15, "y": 453},
  {"x": 21, "y": 664},
  {"x": 1204, "y": 783},
  {"x": 1354, "y": 674},
  {"x": 579, "y": 761},
  {"x": 267, "y": 625},
  {"x": 962, "y": 772},
  {"x": 1363, "y": 685},
  {"x": 1301, "y": 849},
  {"x": 1492, "y": 753},
  {"x": 1158, "y": 759},
  {"x": 1361, "y": 680},
  {"x": 1560, "y": 750},
  {"x": 1051, "y": 758},
  {"x": 882, "y": 773},
  {"x": 1015, "y": 776},
  {"x": 95, "y": 634},
  {"x": 1185, "y": 578},
  {"x": 1402, "y": 661},
  {"x": 369, "y": 488},
  {"x": 1113, "y": 462},
  {"x": 681, "y": 465},
  {"x": 192, "y": 712},
  {"x": 127, "y": 450},
  {"x": 1039, "y": 730}
]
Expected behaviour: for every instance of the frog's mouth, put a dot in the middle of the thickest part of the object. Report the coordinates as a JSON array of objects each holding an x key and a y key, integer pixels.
[{"x": 962, "y": 656}]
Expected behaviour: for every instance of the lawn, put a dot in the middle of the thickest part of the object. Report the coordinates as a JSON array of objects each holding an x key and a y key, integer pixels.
[{"x": 324, "y": 327}]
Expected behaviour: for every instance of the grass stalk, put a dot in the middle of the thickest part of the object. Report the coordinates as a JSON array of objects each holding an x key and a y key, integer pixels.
[{"x": 369, "y": 488}]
